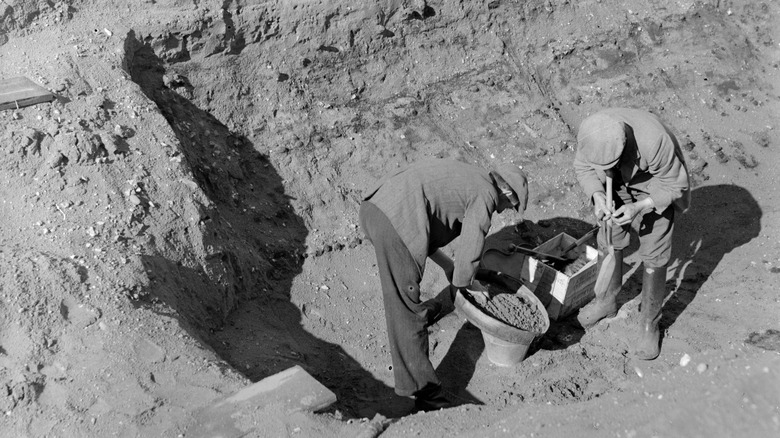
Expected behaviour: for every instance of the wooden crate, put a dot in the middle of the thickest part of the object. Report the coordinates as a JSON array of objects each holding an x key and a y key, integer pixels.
[{"x": 560, "y": 293}]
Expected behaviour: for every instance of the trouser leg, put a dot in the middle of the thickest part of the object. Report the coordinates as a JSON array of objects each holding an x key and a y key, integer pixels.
[
  {"x": 405, "y": 315},
  {"x": 604, "y": 304}
]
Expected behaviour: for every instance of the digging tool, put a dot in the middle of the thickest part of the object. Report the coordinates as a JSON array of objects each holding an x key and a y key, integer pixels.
[
  {"x": 578, "y": 243},
  {"x": 557, "y": 262},
  {"x": 549, "y": 258},
  {"x": 608, "y": 264}
]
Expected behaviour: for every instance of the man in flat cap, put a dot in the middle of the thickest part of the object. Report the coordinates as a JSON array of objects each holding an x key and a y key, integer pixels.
[
  {"x": 408, "y": 216},
  {"x": 651, "y": 187}
]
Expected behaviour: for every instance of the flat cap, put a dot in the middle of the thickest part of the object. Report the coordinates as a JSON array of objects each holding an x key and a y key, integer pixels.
[
  {"x": 600, "y": 141},
  {"x": 517, "y": 181}
]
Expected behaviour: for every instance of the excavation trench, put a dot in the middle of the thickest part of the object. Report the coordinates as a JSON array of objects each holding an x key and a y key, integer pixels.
[
  {"x": 281, "y": 154},
  {"x": 320, "y": 311}
]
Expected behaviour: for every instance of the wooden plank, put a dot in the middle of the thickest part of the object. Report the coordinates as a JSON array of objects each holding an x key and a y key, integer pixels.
[
  {"x": 289, "y": 391},
  {"x": 19, "y": 92}
]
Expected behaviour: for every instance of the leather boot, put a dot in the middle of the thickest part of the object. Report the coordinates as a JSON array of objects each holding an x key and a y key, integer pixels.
[
  {"x": 605, "y": 305},
  {"x": 653, "y": 293}
]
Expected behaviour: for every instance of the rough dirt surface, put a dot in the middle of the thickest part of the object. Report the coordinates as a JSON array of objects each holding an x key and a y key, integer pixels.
[{"x": 182, "y": 220}]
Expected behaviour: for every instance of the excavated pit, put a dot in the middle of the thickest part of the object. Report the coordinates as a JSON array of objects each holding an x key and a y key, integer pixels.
[
  {"x": 262, "y": 323},
  {"x": 283, "y": 136}
]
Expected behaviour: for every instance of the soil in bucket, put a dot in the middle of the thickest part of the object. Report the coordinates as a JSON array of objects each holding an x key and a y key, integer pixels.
[
  {"x": 512, "y": 309},
  {"x": 510, "y": 319}
]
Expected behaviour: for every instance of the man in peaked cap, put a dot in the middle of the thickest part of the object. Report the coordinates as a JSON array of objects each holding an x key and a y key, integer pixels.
[
  {"x": 408, "y": 216},
  {"x": 651, "y": 187}
]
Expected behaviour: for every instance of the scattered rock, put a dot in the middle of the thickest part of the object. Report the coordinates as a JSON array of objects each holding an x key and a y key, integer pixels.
[
  {"x": 56, "y": 159},
  {"x": 122, "y": 131},
  {"x": 78, "y": 314}
]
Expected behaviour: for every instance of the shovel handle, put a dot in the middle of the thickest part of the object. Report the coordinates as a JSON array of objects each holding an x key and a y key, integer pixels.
[{"x": 608, "y": 224}]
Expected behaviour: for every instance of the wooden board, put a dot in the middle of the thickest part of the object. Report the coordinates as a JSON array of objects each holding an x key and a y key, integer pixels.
[
  {"x": 19, "y": 92},
  {"x": 288, "y": 391}
]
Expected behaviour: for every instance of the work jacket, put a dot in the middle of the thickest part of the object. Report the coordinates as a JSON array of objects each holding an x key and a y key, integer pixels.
[
  {"x": 652, "y": 162},
  {"x": 431, "y": 202}
]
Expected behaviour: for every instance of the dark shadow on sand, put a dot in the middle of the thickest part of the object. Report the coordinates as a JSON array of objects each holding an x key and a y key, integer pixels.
[
  {"x": 721, "y": 218},
  {"x": 238, "y": 300}
]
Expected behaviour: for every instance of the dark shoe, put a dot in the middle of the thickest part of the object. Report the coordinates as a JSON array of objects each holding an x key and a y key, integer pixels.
[
  {"x": 433, "y": 400},
  {"x": 604, "y": 306},
  {"x": 653, "y": 293}
]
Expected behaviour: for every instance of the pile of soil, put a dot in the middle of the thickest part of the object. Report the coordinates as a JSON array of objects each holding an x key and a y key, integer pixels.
[{"x": 513, "y": 309}]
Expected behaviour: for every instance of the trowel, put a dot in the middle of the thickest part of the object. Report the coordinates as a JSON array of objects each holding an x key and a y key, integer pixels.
[
  {"x": 557, "y": 262},
  {"x": 578, "y": 243},
  {"x": 544, "y": 257}
]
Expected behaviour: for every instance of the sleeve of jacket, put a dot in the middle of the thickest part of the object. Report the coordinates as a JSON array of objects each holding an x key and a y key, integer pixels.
[
  {"x": 587, "y": 176},
  {"x": 471, "y": 242},
  {"x": 670, "y": 178}
]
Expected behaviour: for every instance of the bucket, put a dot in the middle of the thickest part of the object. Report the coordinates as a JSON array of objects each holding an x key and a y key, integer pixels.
[
  {"x": 504, "y": 353},
  {"x": 505, "y": 345}
]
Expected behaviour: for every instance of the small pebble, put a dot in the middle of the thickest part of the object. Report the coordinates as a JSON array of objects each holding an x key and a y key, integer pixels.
[
  {"x": 702, "y": 367},
  {"x": 685, "y": 360}
]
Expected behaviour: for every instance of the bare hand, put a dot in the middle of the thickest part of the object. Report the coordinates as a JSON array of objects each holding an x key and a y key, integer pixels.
[
  {"x": 625, "y": 214},
  {"x": 600, "y": 208}
]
